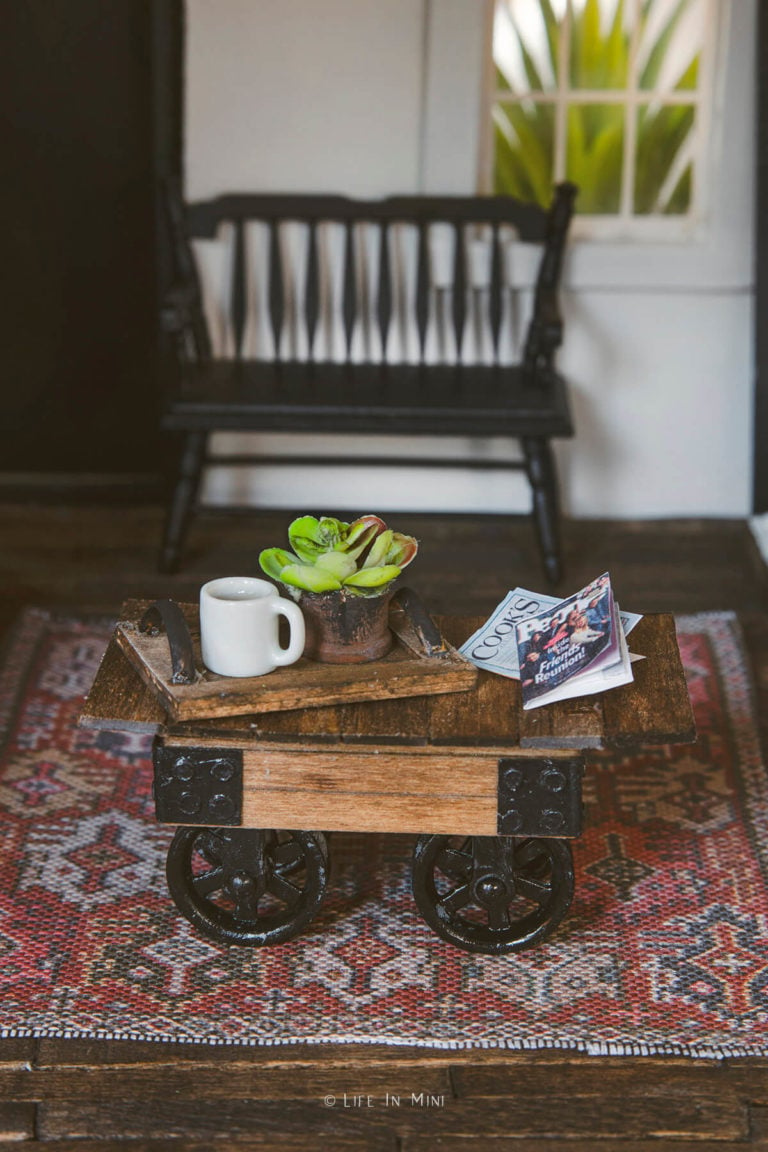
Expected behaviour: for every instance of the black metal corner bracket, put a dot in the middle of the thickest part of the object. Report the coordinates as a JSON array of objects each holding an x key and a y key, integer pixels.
[
  {"x": 540, "y": 796},
  {"x": 198, "y": 785}
]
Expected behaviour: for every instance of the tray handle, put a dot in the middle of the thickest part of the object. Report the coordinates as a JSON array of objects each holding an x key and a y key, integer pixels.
[
  {"x": 167, "y": 616},
  {"x": 417, "y": 621}
]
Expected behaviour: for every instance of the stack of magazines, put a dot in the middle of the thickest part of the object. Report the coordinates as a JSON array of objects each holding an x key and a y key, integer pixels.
[{"x": 557, "y": 649}]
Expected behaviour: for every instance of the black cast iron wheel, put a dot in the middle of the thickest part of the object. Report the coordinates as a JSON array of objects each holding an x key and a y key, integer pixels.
[
  {"x": 247, "y": 886},
  {"x": 492, "y": 894}
]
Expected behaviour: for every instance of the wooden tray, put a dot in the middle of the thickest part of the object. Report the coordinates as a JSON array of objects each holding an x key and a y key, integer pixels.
[{"x": 408, "y": 670}]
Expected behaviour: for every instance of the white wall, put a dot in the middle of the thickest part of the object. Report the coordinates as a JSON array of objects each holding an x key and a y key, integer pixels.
[
  {"x": 295, "y": 95},
  {"x": 367, "y": 98}
]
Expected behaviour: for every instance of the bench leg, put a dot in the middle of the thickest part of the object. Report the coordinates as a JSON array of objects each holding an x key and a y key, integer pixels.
[
  {"x": 183, "y": 499},
  {"x": 542, "y": 474}
]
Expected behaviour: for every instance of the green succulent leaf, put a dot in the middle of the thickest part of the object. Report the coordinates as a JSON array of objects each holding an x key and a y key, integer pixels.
[
  {"x": 379, "y": 550},
  {"x": 339, "y": 564},
  {"x": 304, "y": 537},
  {"x": 309, "y": 536},
  {"x": 363, "y": 523},
  {"x": 363, "y": 557},
  {"x": 273, "y": 560},
  {"x": 373, "y": 577},
  {"x": 403, "y": 549},
  {"x": 361, "y": 532},
  {"x": 332, "y": 531},
  {"x": 309, "y": 578}
]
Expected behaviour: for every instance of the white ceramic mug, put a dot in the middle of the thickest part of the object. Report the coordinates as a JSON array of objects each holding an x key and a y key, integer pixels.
[{"x": 239, "y": 627}]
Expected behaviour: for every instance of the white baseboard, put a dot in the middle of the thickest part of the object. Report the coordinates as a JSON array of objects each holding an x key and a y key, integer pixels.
[{"x": 759, "y": 526}]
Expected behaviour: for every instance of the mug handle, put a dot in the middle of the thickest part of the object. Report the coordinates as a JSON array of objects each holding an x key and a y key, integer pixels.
[{"x": 293, "y": 614}]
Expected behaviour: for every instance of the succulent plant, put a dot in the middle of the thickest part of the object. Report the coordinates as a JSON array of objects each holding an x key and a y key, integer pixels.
[{"x": 363, "y": 557}]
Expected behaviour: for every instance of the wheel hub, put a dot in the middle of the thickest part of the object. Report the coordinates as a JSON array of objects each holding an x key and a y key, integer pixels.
[{"x": 492, "y": 890}]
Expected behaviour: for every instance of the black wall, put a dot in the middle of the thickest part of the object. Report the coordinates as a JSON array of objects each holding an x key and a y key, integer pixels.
[
  {"x": 80, "y": 143},
  {"x": 760, "y": 467}
]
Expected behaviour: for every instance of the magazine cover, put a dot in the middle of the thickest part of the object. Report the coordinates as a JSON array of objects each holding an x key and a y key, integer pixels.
[
  {"x": 587, "y": 683},
  {"x": 582, "y": 634},
  {"x": 493, "y": 646}
]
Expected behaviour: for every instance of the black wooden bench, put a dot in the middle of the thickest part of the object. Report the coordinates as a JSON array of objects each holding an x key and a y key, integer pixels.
[{"x": 428, "y": 388}]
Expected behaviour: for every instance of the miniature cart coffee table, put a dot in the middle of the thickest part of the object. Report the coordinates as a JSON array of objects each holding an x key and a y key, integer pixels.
[{"x": 493, "y": 792}]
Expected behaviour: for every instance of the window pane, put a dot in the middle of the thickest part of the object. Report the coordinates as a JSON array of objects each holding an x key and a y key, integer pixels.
[
  {"x": 671, "y": 39},
  {"x": 594, "y": 155},
  {"x": 549, "y": 127},
  {"x": 524, "y": 150},
  {"x": 665, "y": 147},
  {"x": 599, "y": 55},
  {"x": 525, "y": 45}
]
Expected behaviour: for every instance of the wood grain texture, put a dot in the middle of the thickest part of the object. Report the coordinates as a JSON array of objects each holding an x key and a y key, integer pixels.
[
  {"x": 371, "y": 792},
  {"x": 625, "y": 1115},
  {"x": 257, "y": 1142},
  {"x": 510, "y": 1143},
  {"x": 17, "y": 1052},
  {"x": 380, "y": 722},
  {"x": 655, "y": 708},
  {"x": 410, "y": 1142},
  {"x": 576, "y": 723},
  {"x": 403, "y": 672},
  {"x": 17, "y": 1121},
  {"x": 119, "y": 699},
  {"x": 220, "y": 1081},
  {"x": 312, "y": 725},
  {"x": 489, "y": 715},
  {"x": 670, "y": 1076}
]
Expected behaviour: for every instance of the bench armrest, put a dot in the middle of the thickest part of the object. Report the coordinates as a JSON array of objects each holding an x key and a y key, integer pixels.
[
  {"x": 545, "y": 333},
  {"x": 177, "y": 306}
]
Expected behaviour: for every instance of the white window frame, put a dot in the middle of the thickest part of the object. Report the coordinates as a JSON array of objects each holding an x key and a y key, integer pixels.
[
  {"x": 624, "y": 224},
  {"x": 713, "y": 253}
]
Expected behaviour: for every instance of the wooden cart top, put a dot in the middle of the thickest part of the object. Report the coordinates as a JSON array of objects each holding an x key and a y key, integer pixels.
[{"x": 654, "y": 709}]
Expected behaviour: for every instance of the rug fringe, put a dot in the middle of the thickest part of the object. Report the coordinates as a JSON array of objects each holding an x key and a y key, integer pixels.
[{"x": 587, "y": 1048}]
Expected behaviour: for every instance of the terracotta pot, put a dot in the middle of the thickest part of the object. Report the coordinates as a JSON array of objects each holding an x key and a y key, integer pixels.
[{"x": 346, "y": 629}]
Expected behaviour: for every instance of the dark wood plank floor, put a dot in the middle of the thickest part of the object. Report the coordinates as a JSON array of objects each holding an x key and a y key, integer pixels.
[{"x": 101, "y": 1095}]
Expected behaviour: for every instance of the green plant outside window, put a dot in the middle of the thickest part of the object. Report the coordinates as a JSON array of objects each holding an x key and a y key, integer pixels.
[{"x": 623, "y": 60}]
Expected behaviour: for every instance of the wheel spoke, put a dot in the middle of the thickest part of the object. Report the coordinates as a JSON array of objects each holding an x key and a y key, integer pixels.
[
  {"x": 498, "y": 916},
  {"x": 530, "y": 855},
  {"x": 537, "y": 890},
  {"x": 283, "y": 889},
  {"x": 454, "y": 862},
  {"x": 211, "y": 881},
  {"x": 288, "y": 854},
  {"x": 209, "y": 847},
  {"x": 457, "y": 899}
]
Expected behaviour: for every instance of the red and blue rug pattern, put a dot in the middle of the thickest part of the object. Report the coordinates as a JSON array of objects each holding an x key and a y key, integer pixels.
[{"x": 665, "y": 949}]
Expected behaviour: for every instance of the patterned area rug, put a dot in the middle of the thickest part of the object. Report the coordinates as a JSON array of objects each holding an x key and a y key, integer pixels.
[{"x": 665, "y": 949}]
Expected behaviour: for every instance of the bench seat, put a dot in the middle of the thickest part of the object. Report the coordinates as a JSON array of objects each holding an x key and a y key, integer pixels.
[{"x": 403, "y": 399}]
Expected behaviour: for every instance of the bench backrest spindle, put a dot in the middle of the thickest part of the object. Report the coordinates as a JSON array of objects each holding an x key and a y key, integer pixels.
[{"x": 408, "y": 279}]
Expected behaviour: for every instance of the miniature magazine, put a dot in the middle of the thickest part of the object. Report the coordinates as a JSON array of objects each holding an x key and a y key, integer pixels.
[
  {"x": 493, "y": 646},
  {"x": 574, "y": 649}
]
